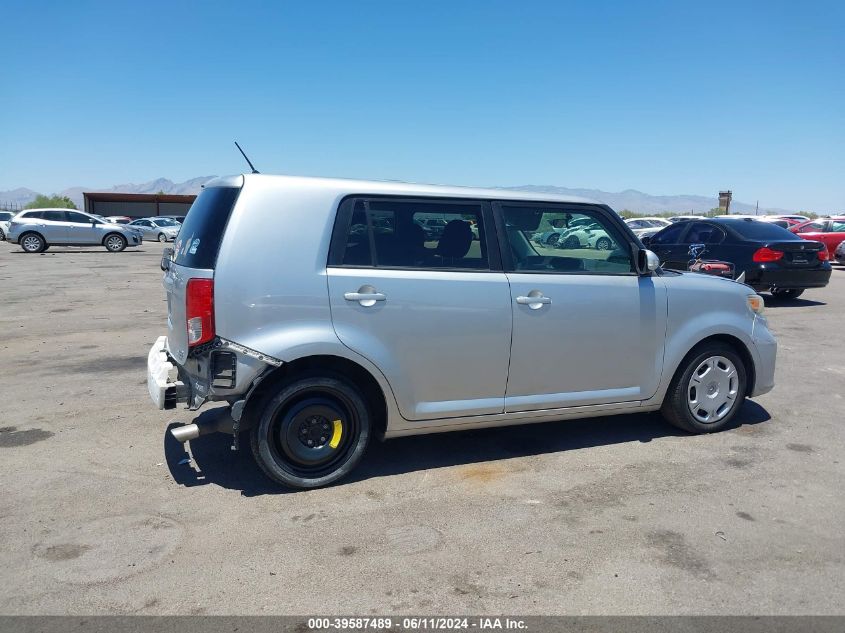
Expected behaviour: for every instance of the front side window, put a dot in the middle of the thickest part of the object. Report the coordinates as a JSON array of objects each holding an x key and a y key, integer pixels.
[
  {"x": 78, "y": 218},
  {"x": 585, "y": 241},
  {"x": 389, "y": 233},
  {"x": 32, "y": 215}
]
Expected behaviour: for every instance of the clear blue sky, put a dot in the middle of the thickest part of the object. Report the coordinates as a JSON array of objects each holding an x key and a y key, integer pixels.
[{"x": 665, "y": 97}]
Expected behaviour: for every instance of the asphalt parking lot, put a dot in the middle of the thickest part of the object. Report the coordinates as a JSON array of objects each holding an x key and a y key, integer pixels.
[{"x": 102, "y": 513}]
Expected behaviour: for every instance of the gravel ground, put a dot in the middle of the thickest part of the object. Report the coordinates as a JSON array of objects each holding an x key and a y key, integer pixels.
[{"x": 101, "y": 512}]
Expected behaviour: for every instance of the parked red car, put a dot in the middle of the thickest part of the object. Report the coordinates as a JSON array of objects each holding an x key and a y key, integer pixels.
[{"x": 829, "y": 231}]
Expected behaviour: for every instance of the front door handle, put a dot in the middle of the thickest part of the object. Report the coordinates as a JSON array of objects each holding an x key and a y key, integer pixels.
[
  {"x": 535, "y": 300},
  {"x": 366, "y": 296}
]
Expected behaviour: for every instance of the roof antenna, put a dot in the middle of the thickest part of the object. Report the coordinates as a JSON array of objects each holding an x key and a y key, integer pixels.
[{"x": 248, "y": 162}]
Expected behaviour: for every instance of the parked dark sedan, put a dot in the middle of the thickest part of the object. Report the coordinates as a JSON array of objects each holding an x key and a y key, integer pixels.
[{"x": 772, "y": 258}]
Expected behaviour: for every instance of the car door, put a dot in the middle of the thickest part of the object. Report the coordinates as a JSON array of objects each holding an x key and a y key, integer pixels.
[
  {"x": 145, "y": 226},
  {"x": 669, "y": 246},
  {"x": 82, "y": 229},
  {"x": 835, "y": 234},
  {"x": 53, "y": 225},
  {"x": 710, "y": 234},
  {"x": 433, "y": 314},
  {"x": 587, "y": 329}
]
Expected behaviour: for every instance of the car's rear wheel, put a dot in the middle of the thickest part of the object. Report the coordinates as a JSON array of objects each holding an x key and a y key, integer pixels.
[
  {"x": 115, "y": 243},
  {"x": 708, "y": 389},
  {"x": 554, "y": 238},
  {"x": 784, "y": 293},
  {"x": 162, "y": 237},
  {"x": 571, "y": 242},
  {"x": 32, "y": 243},
  {"x": 312, "y": 432}
]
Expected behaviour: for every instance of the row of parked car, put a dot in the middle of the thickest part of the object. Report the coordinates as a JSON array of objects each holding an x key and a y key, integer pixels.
[
  {"x": 36, "y": 230},
  {"x": 783, "y": 255}
]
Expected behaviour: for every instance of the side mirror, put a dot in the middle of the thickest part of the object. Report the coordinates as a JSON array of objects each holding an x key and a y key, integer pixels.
[{"x": 647, "y": 261}]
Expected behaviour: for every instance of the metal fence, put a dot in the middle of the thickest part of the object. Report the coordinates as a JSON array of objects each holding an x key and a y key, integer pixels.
[{"x": 14, "y": 207}]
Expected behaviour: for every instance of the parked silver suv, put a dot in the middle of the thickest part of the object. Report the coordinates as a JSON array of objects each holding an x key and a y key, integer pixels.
[
  {"x": 36, "y": 230},
  {"x": 324, "y": 314}
]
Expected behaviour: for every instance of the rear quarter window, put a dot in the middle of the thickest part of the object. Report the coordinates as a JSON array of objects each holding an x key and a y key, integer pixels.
[{"x": 201, "y": 234}]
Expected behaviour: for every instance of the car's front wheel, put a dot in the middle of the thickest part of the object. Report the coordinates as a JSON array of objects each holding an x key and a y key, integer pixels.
[
  {"x": 115, "y": 243},
  {"x": 162, "y": 237},
  {"x": 33, "y": 243},
  {"x": 783, "y": 293},
  {"x": 312, "y": 432},
  {"x": 708, "y": 389}
]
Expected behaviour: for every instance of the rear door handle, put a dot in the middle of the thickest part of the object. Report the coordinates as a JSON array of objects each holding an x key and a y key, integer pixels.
[
  {"x": 366, "y": 296},
  {"x": 535, "y": 300}
]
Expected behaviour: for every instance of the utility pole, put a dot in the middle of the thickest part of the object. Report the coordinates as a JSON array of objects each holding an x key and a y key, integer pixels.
[{"x": 757, "y": 208}]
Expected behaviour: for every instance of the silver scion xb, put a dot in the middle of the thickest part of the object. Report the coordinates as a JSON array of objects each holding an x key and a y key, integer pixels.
[
  {"x": 36, "y": 230},
  {"x": 324, "y": 314}
]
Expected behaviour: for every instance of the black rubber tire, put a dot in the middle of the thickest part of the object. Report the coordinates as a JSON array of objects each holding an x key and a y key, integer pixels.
[
  {"x": 114, "y": 250},
  {"x": 41, "y": 246},
  {"x": 553, "y": 239},
  {"x": 162, "y": 238},
  {"x": 675, "y": 409},
  {"x": 2, "y": 236},
  {"x": 571, "y": 242},
  {"x": 267, "y": 440},
  {"x": 791, "y": 293},
  {"x": 604, "y": 244}
]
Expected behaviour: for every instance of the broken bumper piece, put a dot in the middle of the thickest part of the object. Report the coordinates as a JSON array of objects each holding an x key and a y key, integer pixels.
[{"x": 163, "y": 377}]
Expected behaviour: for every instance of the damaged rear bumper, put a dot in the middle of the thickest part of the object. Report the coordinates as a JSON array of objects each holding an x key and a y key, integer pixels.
[{"x": 163, "y": 377}]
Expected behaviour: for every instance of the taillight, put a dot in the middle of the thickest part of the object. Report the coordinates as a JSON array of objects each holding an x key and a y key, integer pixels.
[
  {"x": 824, "y": 255},
  {"x": 199, "y": 310},
  {"x": 766, "y": 255}
]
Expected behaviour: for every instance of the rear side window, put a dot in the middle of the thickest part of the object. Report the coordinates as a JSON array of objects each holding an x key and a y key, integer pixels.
[
  {"x": 201, "y": 235},
  {"x": 762, "y": 231},
  {"x": 389, "y": 233},
  {"x": 669, "y": 235},
  {"x": 32, "y": 215}
]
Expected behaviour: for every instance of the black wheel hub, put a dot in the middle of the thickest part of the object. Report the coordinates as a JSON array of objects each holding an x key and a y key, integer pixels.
[{"x": 315, "y": 431}]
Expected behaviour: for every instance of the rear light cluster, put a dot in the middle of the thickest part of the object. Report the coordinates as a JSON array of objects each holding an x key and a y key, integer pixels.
[
  {"x": 766, "y": 254},
  {"x": 824, "y": 255},
  {"x": 199, "y": 310}
]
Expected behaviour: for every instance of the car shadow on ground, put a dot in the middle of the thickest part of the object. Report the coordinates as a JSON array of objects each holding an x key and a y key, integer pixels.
[
  {"x": 791, "y": 303},
  {"x": 213, "y": 461}
]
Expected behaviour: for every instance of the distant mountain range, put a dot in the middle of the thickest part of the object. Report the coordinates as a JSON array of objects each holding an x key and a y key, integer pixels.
[
  {"x": 630, "y": 199},
  {"x": 644, "y": 203}
]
